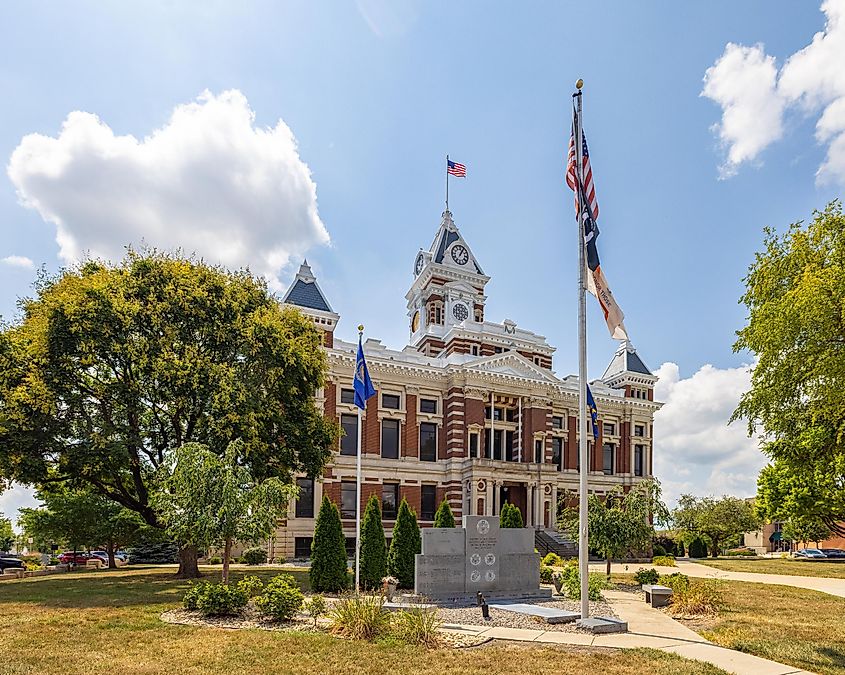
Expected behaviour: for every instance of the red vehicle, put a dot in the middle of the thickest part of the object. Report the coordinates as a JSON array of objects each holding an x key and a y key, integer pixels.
[{"x": 78, "y": 558}]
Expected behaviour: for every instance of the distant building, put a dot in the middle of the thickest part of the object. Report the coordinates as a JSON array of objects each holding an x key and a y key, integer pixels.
[{"x": 470, "y": 410}]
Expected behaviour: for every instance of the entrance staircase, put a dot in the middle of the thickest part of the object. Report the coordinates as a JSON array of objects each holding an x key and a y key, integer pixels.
[{"x": 551, "y": 541}]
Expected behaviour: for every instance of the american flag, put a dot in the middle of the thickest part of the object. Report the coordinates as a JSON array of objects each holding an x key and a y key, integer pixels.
[
  {"x": 456, "y": 169},
  {"x": 572, "y": 178}
]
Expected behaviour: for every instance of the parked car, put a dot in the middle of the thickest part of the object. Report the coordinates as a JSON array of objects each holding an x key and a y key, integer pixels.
[
  {"x": 10, "y": 562},
  {"x": 80, "y": 559},
  {"x": 809, "y": 553},
  {"x": 119, "y": 559},
  {"x": 833, "y": 552}
]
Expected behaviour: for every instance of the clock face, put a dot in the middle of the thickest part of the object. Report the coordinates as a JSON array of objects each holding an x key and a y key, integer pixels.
[
  {"x": 415, "y": 322},
  {"x": 460, "y": 255},
  {"x": 419, "y": 264},
  {"x": 460, "y": 312}
]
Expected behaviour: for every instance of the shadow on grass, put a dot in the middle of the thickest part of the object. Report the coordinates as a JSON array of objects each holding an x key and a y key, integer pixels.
[{"x": 132, "y": 586}]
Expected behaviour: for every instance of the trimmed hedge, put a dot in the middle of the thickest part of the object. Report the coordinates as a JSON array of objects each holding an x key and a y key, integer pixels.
[{"x": 255, "y": 556}]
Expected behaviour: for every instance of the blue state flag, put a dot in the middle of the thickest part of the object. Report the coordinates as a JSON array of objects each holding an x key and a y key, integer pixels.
[
  {"x": 364, "y": 388},
  {"x": 594, "y": 412}
]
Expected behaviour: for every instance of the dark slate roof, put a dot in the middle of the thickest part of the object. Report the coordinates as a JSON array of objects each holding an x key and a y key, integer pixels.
[
  {"x": 308, "y": 295},
  {"x": 448, "y": 237},
  {"x": 626, "y": 360}
]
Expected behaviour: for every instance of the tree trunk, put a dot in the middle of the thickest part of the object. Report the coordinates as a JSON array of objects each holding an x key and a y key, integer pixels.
[
  {"x": 715, "y": 552},
  {"x": 608, "y": 568},
  {"x": 188, "y": 567},
  {"x": 110, "y": 551},
  {"x": 227, "y": 552}
]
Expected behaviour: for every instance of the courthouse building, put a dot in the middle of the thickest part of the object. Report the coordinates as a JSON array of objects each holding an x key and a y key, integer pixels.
[{"x": 470, "y": 410}]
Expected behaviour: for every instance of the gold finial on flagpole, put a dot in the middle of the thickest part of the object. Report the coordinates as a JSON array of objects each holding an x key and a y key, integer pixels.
[
  {"x": 360, "y": 328},
  {"x": 579, "y": 83}
]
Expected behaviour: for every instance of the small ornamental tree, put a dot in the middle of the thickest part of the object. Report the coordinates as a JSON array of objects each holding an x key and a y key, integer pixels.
[
  {"x": 328, "y": 551},
  {"x": 373, "y": 546},
  {"x": 406, "y": 543},
  {"x": 210, "y": 501},
  {"x": 697, "y": 548},
  {"x": 510, "y": 516},
  {"x": 444, "y": 517}
]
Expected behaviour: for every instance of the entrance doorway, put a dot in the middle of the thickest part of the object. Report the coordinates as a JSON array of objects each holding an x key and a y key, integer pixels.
[{"x": 515, "y": 495}]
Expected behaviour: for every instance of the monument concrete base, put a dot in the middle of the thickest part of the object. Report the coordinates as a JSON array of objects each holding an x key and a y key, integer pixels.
[{"x": 602, "y": 624}]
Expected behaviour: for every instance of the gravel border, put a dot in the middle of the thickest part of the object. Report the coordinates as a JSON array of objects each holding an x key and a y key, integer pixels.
[{"x": 503, "y": 619}]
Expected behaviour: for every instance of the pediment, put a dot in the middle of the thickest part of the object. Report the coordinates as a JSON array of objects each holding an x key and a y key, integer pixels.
[{"x": 510, "y": 363}]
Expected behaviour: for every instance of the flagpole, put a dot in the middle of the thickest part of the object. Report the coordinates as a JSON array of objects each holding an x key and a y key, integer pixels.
[
  {"x": 583, "y": 529},
  {"x": 358, "y": 495},
  {"x": 447, "y": 182}
]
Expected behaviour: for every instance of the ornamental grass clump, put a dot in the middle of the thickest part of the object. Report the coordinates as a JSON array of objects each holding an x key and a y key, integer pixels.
[
  {"x": 417, "y": 626},
  {"x": 361, "y": 617},
  {"x": 701, "y": 597},
  {"x": 663, "y": 561}
]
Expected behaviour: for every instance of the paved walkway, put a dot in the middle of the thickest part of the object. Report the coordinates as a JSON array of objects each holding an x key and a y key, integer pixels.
[
  {"x": 648, "y": 627},
  {"x": 822, "y": 584}
]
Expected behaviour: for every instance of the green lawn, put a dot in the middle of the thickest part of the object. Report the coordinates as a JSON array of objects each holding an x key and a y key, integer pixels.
[
  {"x": 92, "y": 622},
  {"x": 804, "y": 568}
]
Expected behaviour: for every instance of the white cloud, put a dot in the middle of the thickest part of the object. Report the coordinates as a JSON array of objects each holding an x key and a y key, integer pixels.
[
  {"x": 754, "y": 96},
  {"x": 695, "y": 451},
  {"x": 15, "y": 498},
  {"x": 208, "y": 182},
  {"x": 18, "y": 261},
  {"x": 742, "y": 81}
]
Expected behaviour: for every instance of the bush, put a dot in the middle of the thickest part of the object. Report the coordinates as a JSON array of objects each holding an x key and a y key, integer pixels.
[
  {"x": 664, "y": 561},
  {"x": 404, "y": 546},
  {"x": 742, "y": 552},
  {"x": 281, "y": 598},
  {"x": 328, "y": 571},
  {"x": 546, "y": 574},
  {"x": 658, "y": 551},
  {"x": 702, "y": 597},
  {"x": 215, "y": 560},
  {"x": 255, "y": 556},
  {"x": 646, "y": 576},
  {"x": 417, "y": 626},
  {"x": 373, "y": 546},
  {"x": 153, "y": 553},
  {"x": 553, "y": 560},
  {"x": 571, "y": 581},
  {"x": 361, "y": 617},
  {"x": 697, "y": 548},
  {"x": 444, "y": 516},
  {"x": 681, "y": 552},
  {"x": 315, "y": 607},
  {"x": 510, "y": 516},
  {"x": 251, "y": 585},
  {"x": 678, "y": 582},
  {"x": 215, "y": 599}
]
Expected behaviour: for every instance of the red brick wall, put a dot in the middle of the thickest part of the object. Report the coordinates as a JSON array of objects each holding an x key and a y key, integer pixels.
[
  {"x": 572, "y": 444},
  {"x": 650, "y": 394},
  {"x": 371, "y": 436},
  {"x": 328, "y": 339},
  {"x": 454, "y": 423},
  {"x": 411, "y": 432},
  {"x": 330, "y": 404},
  {"x": 623, "y": 452},
  {"x": 412, "y": 494}
]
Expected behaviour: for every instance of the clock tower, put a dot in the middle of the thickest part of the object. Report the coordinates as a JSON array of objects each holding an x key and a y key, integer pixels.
[{"x": 448, "y": 289}]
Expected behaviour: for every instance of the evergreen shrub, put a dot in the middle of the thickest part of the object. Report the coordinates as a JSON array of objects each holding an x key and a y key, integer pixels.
[
  {"x": 281, "y": 598},
  {"x": 255, "y": 556},
  {"x": 404, "y": 546},
  {"x": 697, "y": 548},
  {"x": 328, "y": 573},
  {"x": 444, "y": 516},
  {"x": 373, "y": 546}
]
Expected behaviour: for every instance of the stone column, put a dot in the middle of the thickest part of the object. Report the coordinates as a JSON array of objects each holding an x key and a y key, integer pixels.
[
  {"x": 554, "y": 507},
  {"x": 529, "y": 505},
  {"x": 488, "y": 501}
]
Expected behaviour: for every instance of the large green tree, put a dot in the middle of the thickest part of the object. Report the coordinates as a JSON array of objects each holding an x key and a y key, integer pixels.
[
  {"x": 7, "y": 534},
  {"x": 209, "y": 501},
  {"x": 620, "y": 523},
  {"x": 795, "y": 297},
  {"x": 79, "y": 519},
  {"x": 112, "y": 366},
  {"x": 717, "y": 519}
]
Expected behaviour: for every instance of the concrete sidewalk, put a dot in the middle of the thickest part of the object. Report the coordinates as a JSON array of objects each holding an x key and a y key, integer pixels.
[
  {"x": 827, "y": 585},
  {"x": 648, "y": 627}
]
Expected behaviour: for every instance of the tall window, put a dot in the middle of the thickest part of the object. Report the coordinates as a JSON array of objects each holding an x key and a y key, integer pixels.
[
  {"x": 302, "y": 547},
  {"x": 390, "y": 439},
  {"x": 349, "y": 440},
  {"x": 347, "y": 499},
  {"x": 639, "y": 430},
  {"x": 428, "y": 442},
  {"x": 390, "y": 401},
  {"x": 557, "y": 422},
  {"x": 347, "y": 396},
  {"x": 607, "y": 458},
  {"x": 474, "y": 349},
  {"x": 510, "y": 447},
  {"x": 428, "y": 501},
  {"x": 538, "y": 451},
  {"x": 428, "y": 405},
  {"x": 609, "y": 429},
  {"x": 497, "y": 413},
  {"x": 473, "y": 445},
  {"x": 557, "y": 452},
  {"x": 497, "y": 444},
  {"x": 389, "y": 500},
  {"x": 305, "y": 501},
  {"x": 638, "y": 460}
]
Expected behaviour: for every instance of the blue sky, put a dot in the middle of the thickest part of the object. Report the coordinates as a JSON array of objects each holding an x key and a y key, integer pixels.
[{"x": 376, "y": 93}]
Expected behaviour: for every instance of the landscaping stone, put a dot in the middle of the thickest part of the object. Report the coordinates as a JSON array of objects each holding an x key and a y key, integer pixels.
[
  {"x": 602, "y": 624},
  {"x": 547, "y": 614}
]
